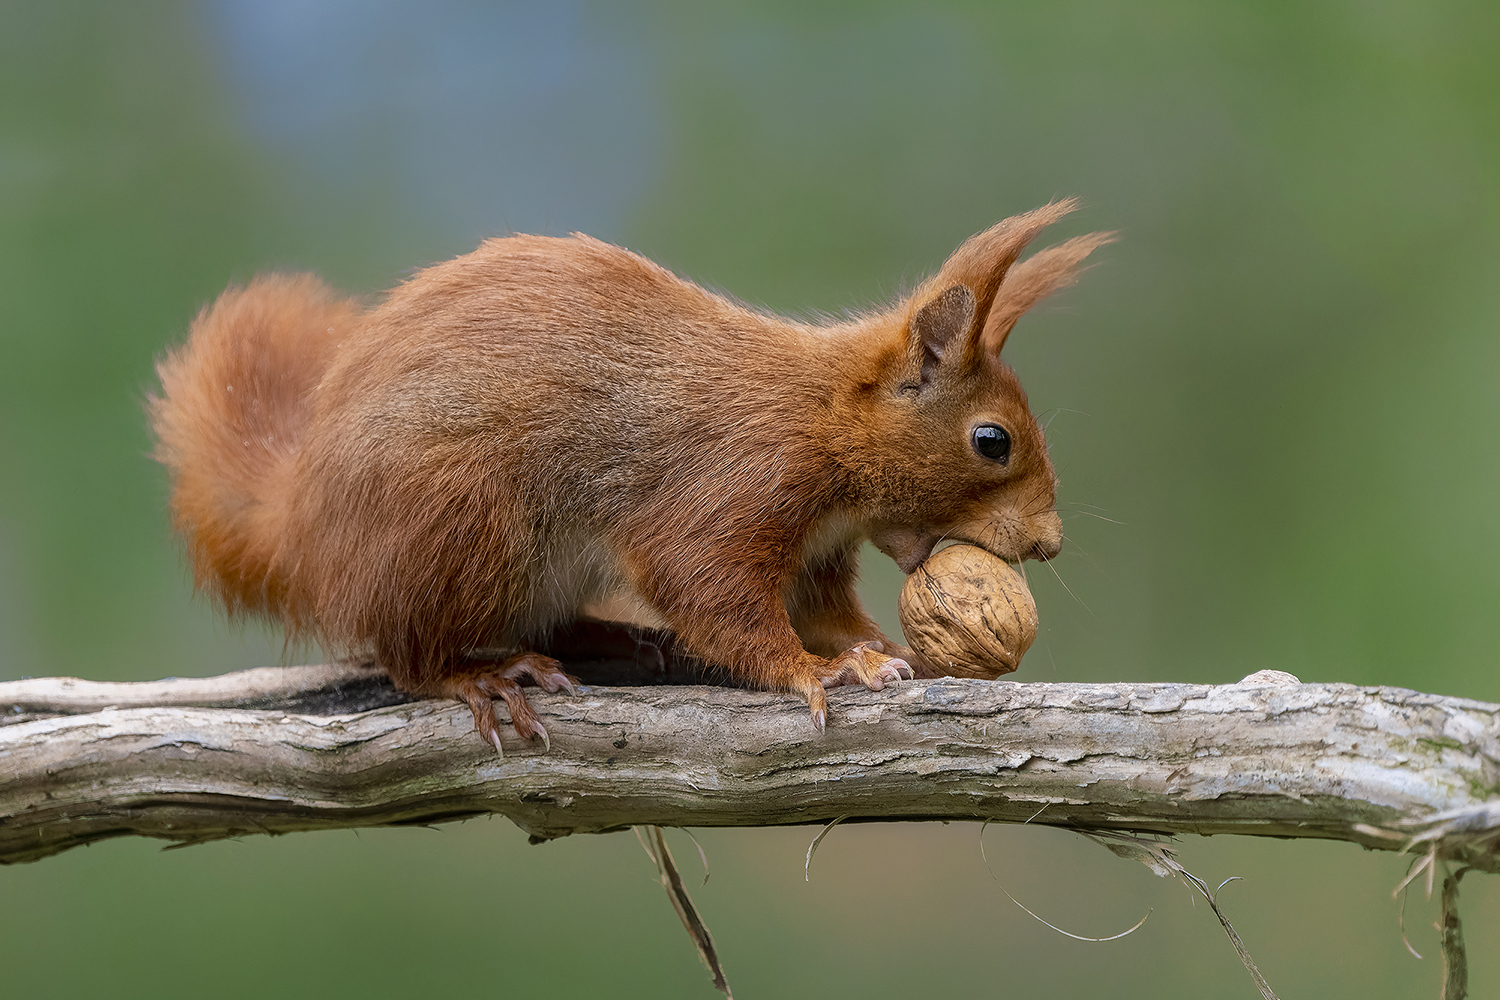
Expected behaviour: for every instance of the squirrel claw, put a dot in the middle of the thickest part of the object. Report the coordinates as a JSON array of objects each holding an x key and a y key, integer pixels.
[
  {"x": 895, "y": 670},
  {"x": 480, "y": 689}
]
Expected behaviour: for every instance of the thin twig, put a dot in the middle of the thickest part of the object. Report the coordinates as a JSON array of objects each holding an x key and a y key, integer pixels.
[
  {"x": 1455, "y": 960},
  {"x": 702, "y": 854},
  {"x": 807, "y": 865},
  {"x": 655, "y": 844},
  {"x": 1161, "y": 859},
  {"x": 1032, "y": 914}
]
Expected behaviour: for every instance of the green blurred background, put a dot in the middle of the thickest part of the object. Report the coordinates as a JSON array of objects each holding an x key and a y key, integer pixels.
[{"x": 1278, "y": 392}]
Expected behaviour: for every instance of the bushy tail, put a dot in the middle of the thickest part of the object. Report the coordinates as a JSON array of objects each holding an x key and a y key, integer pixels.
[{"x": 235, "y": 405}]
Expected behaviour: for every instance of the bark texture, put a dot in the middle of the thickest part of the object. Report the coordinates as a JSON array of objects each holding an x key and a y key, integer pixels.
[{"x": 284, "y": 749}]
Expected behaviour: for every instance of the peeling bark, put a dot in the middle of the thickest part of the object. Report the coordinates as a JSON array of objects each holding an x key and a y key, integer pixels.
[{"x": 284, "y": 749}]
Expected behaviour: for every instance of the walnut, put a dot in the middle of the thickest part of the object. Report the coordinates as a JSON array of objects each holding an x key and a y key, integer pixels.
[{"x": 967, "y": 613}]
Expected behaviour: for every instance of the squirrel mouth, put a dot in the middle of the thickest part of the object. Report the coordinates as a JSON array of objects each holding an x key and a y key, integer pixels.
[
  {"x": 991, "y": 541},
  {"x": 910, "y": 547}
]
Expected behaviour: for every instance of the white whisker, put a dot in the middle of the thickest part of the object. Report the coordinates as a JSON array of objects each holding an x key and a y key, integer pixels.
[
  {"x": 1099, "y": 516},
  {"x": 1068, "y": 589}
]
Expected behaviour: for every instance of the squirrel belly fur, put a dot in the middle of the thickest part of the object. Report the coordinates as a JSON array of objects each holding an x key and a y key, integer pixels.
[{"x": 529, "y": 429}]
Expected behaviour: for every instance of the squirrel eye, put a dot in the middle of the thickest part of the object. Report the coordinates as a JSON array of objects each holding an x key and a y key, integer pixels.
[{"x": 992, "y": 442}]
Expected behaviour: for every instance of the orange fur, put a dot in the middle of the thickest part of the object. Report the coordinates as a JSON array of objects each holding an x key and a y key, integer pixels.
[
  {"x": 544, "y": 423},
  {"x": 233, "y": 416}
]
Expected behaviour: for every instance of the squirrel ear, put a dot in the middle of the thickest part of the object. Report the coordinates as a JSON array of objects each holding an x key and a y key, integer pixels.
[
  {"x": 940, "y": 329},
  {"x": 982, "y": 295},
  {"x": 982, "y": 262}
]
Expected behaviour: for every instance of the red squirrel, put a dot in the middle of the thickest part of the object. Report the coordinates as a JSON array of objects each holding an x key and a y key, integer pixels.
[{"x": 521, "y": 432}]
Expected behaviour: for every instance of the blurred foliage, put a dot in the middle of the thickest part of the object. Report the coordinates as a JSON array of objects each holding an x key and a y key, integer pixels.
[{"x": 1278, "y": 392}]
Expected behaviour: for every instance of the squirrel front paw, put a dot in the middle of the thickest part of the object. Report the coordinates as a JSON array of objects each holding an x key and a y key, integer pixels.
[{"x": 864, "y": 663}]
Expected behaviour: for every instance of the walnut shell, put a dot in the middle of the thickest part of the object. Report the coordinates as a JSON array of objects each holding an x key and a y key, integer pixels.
[{"x": 967, "y": 613}]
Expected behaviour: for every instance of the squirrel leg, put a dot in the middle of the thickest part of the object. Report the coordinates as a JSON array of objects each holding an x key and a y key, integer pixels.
[
  {"x": 750, "y": 633},
  {"x": 826, "y": 611},
  {"x": 479, "y": 689}
]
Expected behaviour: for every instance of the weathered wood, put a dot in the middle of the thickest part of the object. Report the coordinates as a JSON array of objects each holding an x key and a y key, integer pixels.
[{"x": 336, "y": 746}]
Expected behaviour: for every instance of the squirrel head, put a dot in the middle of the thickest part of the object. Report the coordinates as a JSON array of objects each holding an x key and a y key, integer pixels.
[{"x": 947, "y": 446}]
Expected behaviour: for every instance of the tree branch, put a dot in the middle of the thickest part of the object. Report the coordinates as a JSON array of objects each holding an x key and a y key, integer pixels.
[{"x": 283, "y": 749}]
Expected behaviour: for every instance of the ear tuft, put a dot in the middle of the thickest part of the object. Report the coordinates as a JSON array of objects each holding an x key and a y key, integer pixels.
[
  {"x": 941, "y": 327},
  {"x": 1034, "y": 279}
]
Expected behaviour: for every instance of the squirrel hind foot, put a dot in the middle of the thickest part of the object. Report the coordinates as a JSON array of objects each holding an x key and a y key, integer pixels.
[{"x": 479, "y": 689}]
